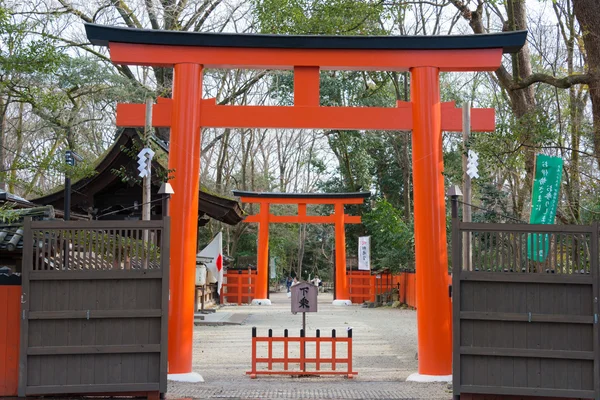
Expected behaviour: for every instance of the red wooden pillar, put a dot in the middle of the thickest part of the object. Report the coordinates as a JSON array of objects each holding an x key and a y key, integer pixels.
[
  {"x": 10, "y": 329},
  {"x": 262, "y": 267},
  {"x": 342, "y": 295},
  {"x": 433, "y": 312},
  {"x": 184, "y": 158}
]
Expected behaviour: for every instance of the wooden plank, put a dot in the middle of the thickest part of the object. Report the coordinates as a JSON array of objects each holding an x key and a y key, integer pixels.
[
  {"x": 128, "y": 333},
  {"x": 165, "y": 266},
  {"x": 103, "y": 331},
  {"x": 88, "y": 329},
  {"x": 25, "y": 286},
  {"x": 587, "y": 375},
  {"x": 92, "y": 388},
  {"x": 93, "y": 314},
  {"x": 91, "y": 349},
  {"x": 533, "y": 353},
  {"x": 519, "y": 332},
  {"x": 487, "y": 316},
  {"x": 533, "y": 335},
  {"x": 87, "y": 375},
  {"x": 61, "y": 332},
  {"x": 33, "y": 373},
  {"x": 95, "y": 224},
  {"x": 142, "y": 327},
  {"x": 595, "y": 272},
  {"x": 506, "y": 336},
  {"x": 574, "y": 337},
  {"x": 103, "y": 327},
  {"x": 495, "y": 334},
  {"x": 519, "y": 391},
  {"x": 48, "y": 335},
  {"x": 115, "y": 327},
  {"x": 547, "y": 293},
  {"x": 480, "y": 364},
  {"x": 74, "y": 328},
  {"x": 531, "y": 228},
  {"x": 525, "y": 278},
  {"x": 101, "y": 366},
  {"x": 96, "y": 275},
  {"x": 154, "y": 367}
]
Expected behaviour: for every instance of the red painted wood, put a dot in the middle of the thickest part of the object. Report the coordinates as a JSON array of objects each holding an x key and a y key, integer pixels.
[{"x": 10, "y": 308}]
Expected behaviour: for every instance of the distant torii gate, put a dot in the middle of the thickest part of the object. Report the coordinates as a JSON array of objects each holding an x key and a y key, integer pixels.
[
  {"x": 424, "y": 56},
  {"x": 338, "y": 218}
]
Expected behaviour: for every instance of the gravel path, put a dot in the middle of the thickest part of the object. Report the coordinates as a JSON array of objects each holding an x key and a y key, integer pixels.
[{"x": 384, "y": 349}]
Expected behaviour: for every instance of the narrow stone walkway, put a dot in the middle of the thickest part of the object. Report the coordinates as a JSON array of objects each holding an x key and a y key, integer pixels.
[{"x": 384, "y": 355}]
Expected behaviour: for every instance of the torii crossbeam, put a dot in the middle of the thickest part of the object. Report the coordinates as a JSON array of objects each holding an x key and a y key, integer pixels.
[{"x": 424, "y": 56}]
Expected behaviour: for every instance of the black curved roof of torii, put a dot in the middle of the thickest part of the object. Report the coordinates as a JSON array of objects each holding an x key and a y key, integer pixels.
[
  {"x": 509, "y": 42},
  {"x": 279, "y": 195}
]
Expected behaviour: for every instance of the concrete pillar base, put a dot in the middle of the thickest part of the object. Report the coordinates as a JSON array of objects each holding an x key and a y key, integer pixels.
[
  {"x": 342, "y": 303},
  {"x": 190, "y": 377},
  {"x": 261, "y": 302},
  {"x": 416, "y": 377}
]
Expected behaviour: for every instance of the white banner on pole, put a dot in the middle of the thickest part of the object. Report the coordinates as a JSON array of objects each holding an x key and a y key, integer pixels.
[
  {"x": 272, "y": 268},
  {"x": 364, "y": 253}
]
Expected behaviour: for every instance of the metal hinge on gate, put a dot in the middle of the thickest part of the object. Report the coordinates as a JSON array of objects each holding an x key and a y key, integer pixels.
[
  {"x": 87, "y": 316},
  {"x": 23, "y": 301},
  {"x": 595, "y": 318},
  {"x": 23, "y": 315},
  {"x": 529, "y": 318}
]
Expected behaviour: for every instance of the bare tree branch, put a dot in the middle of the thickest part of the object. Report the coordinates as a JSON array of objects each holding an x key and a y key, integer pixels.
[{"x": 563, "y": 83}]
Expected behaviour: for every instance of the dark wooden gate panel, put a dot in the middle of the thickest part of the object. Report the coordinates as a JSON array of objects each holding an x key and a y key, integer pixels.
[
  {"x": 524, "y": 327},
  {"x": 94, "y": 307}
]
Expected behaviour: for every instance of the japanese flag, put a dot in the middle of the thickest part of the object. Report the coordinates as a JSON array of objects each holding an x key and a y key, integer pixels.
[{"x": 215, "y": 251}]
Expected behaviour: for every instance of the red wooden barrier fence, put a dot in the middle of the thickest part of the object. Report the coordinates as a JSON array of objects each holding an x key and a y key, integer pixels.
[
  {"x": 238, "y": 287},
  {"x": 364, "y": 286},
  {"x": 281, "y": 365},
  {"x": 361, "y": 286}
]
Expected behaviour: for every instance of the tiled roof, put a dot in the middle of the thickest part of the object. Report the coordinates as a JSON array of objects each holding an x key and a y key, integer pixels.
[{"x": 11, "y": 224}]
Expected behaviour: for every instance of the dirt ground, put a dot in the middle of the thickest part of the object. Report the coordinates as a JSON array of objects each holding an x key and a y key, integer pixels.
[{"x": 384, "y": 354}]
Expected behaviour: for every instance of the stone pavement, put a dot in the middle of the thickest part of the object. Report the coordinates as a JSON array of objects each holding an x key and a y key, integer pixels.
[{"x": 384, "y": 349}]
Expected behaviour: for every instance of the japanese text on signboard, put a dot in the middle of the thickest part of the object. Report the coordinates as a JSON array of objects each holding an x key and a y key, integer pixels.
[
  {"x": 544, "y": 201},
  {"x": 304, "y": 297},
  {"x": 364, "y": 253}
]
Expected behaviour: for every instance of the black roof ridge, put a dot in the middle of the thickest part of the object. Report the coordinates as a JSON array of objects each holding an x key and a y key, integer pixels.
[{"x": 101, "y": 35}]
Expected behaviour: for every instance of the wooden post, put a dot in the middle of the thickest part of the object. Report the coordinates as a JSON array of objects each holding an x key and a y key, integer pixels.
[
  {"x": 262, "y": 262},
  {"x": 342, "y": 294},
  {"x": 184, "y": 158},
  {"x": 467, "y": 254},
  {"x": 433, "y": 319},
  {"x": 147, "y": 180}
]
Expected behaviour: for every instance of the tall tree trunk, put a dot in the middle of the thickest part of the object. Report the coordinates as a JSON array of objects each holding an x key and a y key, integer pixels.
[
  {"x": 522, "y": 99},
  {"x": 301, "y": 242},
  {"x": 588, "y": 15},
  {"x": 3, "y": 169},
  {"x": 18, "y": 151}
]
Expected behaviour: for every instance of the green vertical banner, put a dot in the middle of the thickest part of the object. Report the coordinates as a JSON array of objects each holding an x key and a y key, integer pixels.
[{"x": 544, "y": 202}]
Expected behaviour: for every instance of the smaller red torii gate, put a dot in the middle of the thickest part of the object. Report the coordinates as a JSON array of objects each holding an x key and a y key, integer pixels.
[{"x": 339, "y": 218}]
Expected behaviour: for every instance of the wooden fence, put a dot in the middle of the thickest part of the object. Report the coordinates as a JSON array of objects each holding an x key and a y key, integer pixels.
[
  {"x": 238, "y": 287},
  {"x": 366, "y": 287},
  {"x": 525, "y": 310},
  {"x": 94, "y": 307},
  {"x": 302, "y": 355}
]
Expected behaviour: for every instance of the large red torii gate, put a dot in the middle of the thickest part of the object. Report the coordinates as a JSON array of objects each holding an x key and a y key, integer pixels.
[{"x": 424, "y": 56}]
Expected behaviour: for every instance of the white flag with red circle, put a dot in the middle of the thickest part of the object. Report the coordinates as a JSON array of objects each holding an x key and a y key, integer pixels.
[{"x": 214, "y": 250}]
